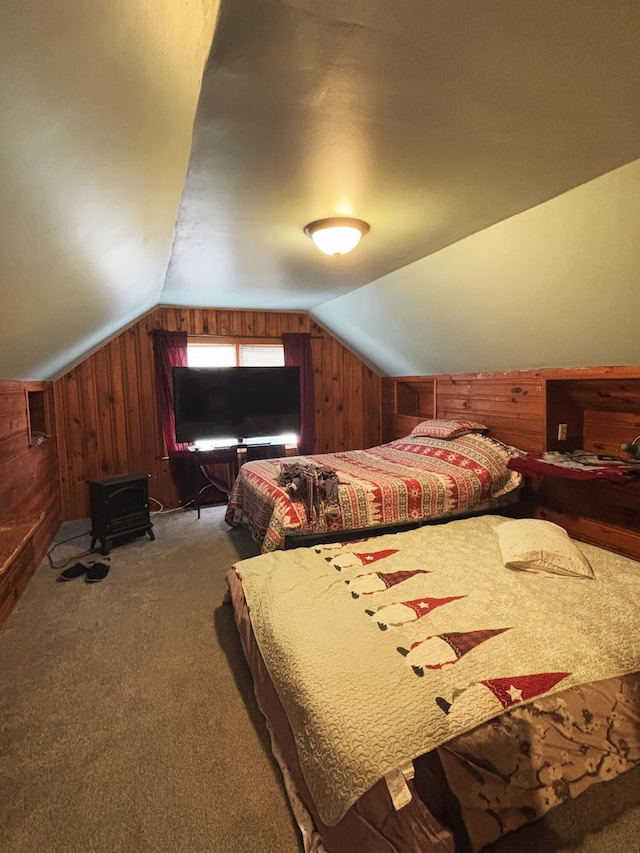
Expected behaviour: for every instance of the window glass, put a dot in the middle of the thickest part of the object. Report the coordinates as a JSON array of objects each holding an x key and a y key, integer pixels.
[
  {"x": 261, "y": 355},
  {"x": 211, "y": 355}
]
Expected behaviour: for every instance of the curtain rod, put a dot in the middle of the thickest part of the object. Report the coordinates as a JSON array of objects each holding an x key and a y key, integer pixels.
[{"x": 238, "y": 337}]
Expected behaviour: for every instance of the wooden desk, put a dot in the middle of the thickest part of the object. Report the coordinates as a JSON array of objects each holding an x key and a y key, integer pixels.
[
  {"x": 233, "y": 457},
  {"x": 202, "y": 459},
  {"x": 249, "y": 452}
]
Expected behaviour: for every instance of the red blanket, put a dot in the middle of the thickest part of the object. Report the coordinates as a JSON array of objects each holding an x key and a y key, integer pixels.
[{"x": 405, "y": 481}]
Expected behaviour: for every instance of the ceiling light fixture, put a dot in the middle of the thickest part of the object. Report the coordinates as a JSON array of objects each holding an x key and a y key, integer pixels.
[{"x": 336, "y": 235}]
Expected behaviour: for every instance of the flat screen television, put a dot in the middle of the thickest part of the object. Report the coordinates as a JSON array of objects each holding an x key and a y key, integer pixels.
[{"x": 235, "y": 402}]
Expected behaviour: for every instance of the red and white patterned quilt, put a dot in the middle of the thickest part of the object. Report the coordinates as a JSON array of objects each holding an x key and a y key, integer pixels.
[{"x": 405, "y": 481}]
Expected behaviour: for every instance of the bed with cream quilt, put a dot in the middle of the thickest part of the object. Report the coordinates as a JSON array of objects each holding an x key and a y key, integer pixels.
[{"x": 434, "y": 689}]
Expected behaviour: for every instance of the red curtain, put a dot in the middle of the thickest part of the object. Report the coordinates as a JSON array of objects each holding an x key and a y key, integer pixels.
[
  {"x": 170, "y": 350},
  {"x": 297, "y": 353}
]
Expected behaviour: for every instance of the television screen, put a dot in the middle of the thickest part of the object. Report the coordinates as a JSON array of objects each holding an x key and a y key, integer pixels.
[{"x": 235, "y": 402}]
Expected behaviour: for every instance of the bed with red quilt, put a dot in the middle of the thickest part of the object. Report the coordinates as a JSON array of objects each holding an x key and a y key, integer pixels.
[
  {"x": 432, "y": 690},
  {"x": 441, "y": 470}
]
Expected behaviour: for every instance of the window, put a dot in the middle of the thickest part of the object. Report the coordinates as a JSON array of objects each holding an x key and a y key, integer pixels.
[
  {"x": 261, "y": 355},
  {"x": 211, "y": 355},
  {"x": 211, "y": 352}
]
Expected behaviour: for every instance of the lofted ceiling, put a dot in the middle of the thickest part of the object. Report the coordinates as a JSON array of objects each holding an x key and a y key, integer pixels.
[
  {"x": 430, "y": 120},
  {"x": 162, "y": 152}
]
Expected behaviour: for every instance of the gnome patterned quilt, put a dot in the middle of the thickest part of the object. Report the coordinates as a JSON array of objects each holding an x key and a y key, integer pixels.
[
  {"x": 385, "y": 649},
  {"x": 404, "y": 481}
]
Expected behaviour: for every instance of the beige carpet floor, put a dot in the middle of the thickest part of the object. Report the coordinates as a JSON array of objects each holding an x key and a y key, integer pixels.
[{"x": 128, "y": 722}]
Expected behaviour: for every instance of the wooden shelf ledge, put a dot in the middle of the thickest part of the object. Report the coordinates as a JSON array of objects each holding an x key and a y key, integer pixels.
[
  {"x": 14, "y": 535},
  {"x": 610, "y": 536}
]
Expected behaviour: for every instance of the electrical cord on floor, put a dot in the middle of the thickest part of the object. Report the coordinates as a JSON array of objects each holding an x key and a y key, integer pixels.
[
  {"x": 156, "y": 511},
  {"x": 74, "y": 557},
  {"x": 89, "y": 552},
  {"x": 164, "y": 511}
]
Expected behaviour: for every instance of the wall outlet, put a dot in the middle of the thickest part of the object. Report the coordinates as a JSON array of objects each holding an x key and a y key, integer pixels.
[{"x": 562, "y": 432}]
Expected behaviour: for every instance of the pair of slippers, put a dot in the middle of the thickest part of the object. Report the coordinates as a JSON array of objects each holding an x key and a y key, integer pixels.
[{"x": 94, "y": 572}]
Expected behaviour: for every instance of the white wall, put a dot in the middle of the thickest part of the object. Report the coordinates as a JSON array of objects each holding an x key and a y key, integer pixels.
[
  {"x": 97, "y": 101},
  {"x": 556, "y": 286}
]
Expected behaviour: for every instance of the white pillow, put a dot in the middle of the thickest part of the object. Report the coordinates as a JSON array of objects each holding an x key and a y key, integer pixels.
[{"x": 534, "y": 545}]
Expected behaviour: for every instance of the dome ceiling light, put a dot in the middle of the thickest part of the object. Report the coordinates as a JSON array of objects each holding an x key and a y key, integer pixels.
[{"x": 336, "y": 235}]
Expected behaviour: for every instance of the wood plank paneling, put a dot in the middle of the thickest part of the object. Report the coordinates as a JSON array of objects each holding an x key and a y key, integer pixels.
[
  {"x": 323, "y": 433},
  {"x": 15, "y": 577},
  {"x": 105, "y": 421},
  {"x": 131, "y": 396},
  {"x": 371, "y": 409},
  {"x": 601, "y": 408},
  {"x": 111, "y": 424},
  {"x": 29, "y": 491},
  {"x": 510, "y": 404},
  {"x": 619, "y": 539},
  {"x": 604, "y": 432},
  {"x": 406, "y": 401},
  {"x": 615, "y": 504}
]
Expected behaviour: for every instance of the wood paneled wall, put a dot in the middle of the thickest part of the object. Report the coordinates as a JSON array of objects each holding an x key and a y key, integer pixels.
[
  {"x": 30, "y": 504},
  {"x": 107, "y": 413},
  {"x": 600, "y": 407},
  {"x": 512, "y": 405},
  {"x": 104, "y": 416}
]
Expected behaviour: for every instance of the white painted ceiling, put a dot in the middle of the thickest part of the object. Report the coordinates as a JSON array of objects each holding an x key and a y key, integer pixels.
[
  {"x": 430, "y": 120},
  {"x": 134, "y": 171}
]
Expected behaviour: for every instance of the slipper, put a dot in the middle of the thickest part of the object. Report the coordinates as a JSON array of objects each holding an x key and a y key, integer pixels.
[
  {"x": 97, "y": 572},
  {"x": 72, "y": 572}
]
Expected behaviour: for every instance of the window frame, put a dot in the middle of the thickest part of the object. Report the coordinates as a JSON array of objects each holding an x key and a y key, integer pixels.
[{"x": 235, "y": 341}]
